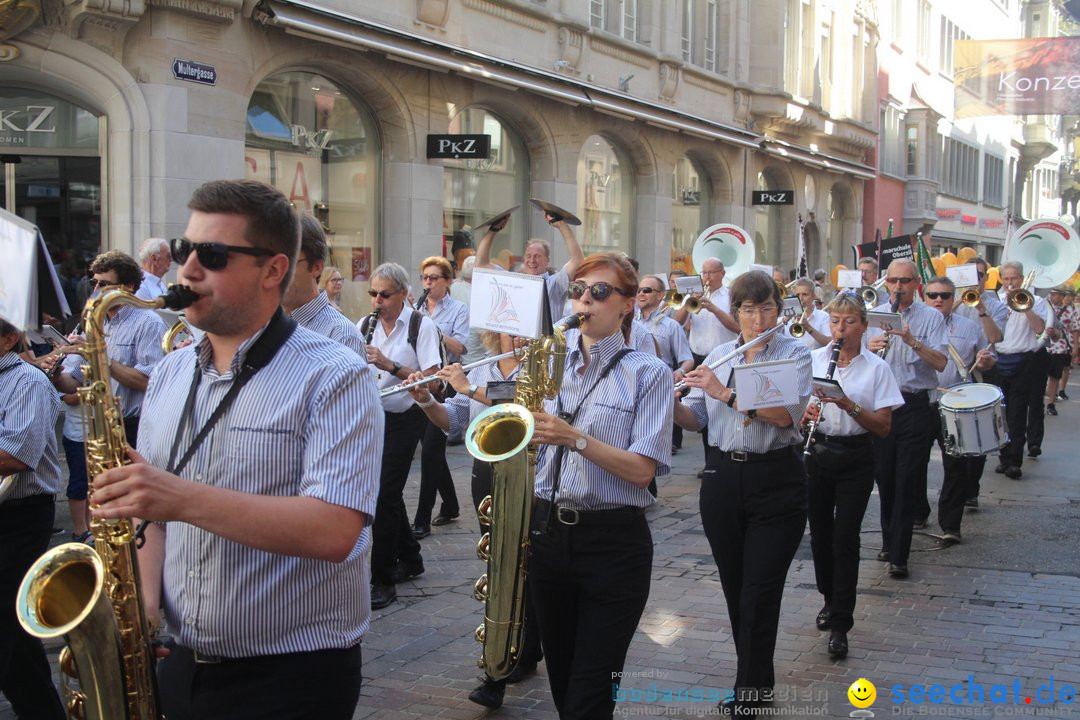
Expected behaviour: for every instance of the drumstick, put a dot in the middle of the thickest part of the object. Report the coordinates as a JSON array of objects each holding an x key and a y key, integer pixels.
[{"x": 972, "y": 368}]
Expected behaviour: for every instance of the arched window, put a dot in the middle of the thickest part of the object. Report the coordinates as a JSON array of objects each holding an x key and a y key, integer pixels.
[
  {"x": 474, "y": 190},
  {"x": 605, "y": 198},
  {"x": 312, "y": 142},
  {"x": 691, "y": 210}
]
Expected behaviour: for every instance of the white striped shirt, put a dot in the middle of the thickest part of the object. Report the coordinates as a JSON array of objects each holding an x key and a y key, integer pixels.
[
  {"x": 867, "y": 380},
  {"x": 967, "y": 337},
  {"x": 927, "y": 326},
  {"x": 461, "y": 409},
  {"x": 670, "y": 336},
  {"x": 320, "y": 316},
  {"x": 133, "y": 338},
  {"x": 28, "y": 426},
  {"x": 152, "y": 287},
  {"x": 452, "y": 318},
  {"x": 728, "y": 430},
  {"x": 641, "y": 339},
  {"x": 308, "y": 425},
  {"x": 629, "y": 409}
]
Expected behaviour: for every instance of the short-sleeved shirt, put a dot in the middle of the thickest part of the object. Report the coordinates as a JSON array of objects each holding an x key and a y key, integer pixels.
[
  {"x": 318, "y": 315},
  {"x": 967, "y": 338},
  {"x": 867, "y": 381},
  {"x": 670, "y": 337},
  {"x": 28, "y": 426},
  {"x": 706, "y": 330},
  {"x": 396, "y": 347},
  {"x": 452, "y": 319},
  {"x": 1020, "y": 337},
  {"x": 927, "y": 325},
  {"x": 819, "y": 320}
]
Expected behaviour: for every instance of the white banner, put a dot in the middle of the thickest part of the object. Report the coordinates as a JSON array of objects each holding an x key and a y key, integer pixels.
[{"x": 505, "y": 302}]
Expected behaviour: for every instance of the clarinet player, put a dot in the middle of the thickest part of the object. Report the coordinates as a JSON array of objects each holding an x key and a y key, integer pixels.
[{"x": 840, "y": 461}]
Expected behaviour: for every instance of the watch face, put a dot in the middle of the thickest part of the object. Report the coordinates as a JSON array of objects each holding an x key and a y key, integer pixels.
[{"x": 581, "y": 443}]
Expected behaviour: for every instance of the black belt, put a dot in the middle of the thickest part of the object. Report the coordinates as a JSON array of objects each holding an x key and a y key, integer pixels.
[
  {"x": 570, "y": 516},
  {"x": 917, "y": 395},
  {"x": 848, "y": 441},
  {"x": 743, "y": 457},
  {"x": 39, "y": 499}
]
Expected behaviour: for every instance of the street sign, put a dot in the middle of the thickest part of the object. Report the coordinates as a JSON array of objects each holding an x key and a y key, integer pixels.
[
  {"x": 194, "y": 71},
  {"x": 459, "y": 147},
  {"x": 773, "y": 197}
]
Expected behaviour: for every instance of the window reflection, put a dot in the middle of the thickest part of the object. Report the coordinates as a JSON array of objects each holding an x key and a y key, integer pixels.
[{"x": 604, "y": 198}]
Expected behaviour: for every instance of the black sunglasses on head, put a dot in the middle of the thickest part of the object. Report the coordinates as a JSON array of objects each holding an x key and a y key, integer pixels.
[
  {"x": 935, "y": 295},
  {"x": 211, "y": 255},
  {"x": 600, "y": 291}
]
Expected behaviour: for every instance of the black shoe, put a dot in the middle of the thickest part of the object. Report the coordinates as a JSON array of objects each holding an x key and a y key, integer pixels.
[
  {"x": 1001, "y": 467},
  {"x": 920, "y": 524},
  {"x": 1014, "y": 473},
  {"x": 1051, "y": 410},
  {"x": 421, "y": 531},
  {"x": 898, "y": 571},
  {"x": 1062, "y": 396},
  {"x": 701, "y": 475},
  {"x": 823, "y": 618},
  {"x": 521, "y": 671},
  {"x": 408, "y": 569},
  {"x": 883, "y": 556},
  {"x": 489, "y": 694},
  {"x": 950, "y": 537},
  {"x": 972, "y": 503},
  {"x": 1033, "y": 451},
  {"x": 382, "y": 595},
  {"x": 441, "y": 519},
  {"x": 838, "y": 644}
]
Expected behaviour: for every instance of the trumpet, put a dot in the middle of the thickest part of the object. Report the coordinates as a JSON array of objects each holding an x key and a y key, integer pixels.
[
  {"x": 785, "y": 290},
  {"x": 677, "y": 300},
  {"x": 970, "y": 296},
  {"x": 1021, "y": 299},
  {"x": 798, "y": 327},
  {"x": 868, "y": 293}
]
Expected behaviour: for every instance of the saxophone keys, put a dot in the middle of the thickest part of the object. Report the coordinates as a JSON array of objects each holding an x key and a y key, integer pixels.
[
  {"x": 483, "y": 547},
  {"x": 483, "y": 511},
  {"x": 480, "y": 635},
  {"x": 480, "y": 589}
]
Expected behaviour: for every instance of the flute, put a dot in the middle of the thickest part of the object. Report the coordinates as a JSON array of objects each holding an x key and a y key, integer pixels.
[
  {"x": 681, "y": 385},
  {"x": 812, "y": 425},
  {"x": 432, "y": 378}
]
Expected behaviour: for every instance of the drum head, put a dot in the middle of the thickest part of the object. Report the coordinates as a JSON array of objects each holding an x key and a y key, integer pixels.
[{"x": 969, "y": 396}]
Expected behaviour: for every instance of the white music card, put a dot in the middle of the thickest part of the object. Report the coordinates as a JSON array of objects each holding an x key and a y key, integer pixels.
[
  {"x": 849, "y": 279},
  {"x": 792, "y": 307},
  {"x": 767, "y": 269},
  {"x": 766, "y": 384},
  {"x": 963, "y": 276},
  {"x": 884, "y": 321},
  {"x": 507, "y": 302},
  {"x": 690, "y": 285},
  {"x": 824, "y": 387}
]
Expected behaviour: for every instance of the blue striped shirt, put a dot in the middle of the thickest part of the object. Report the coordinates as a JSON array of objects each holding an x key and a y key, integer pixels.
[
  {"x": 629, "y": 409},
  {"x": 452, "y": 318},
  {"x": 133, "y": 338},
  {"x": 670, "y": 336},
  {"x": 461, "y": 409},
  {"x": 308, "y": 424},
  {"x": 927, "y": 325},
  {"x": 727, "y": 426},
  {"x": 28, "y": 426},
  {"x": 320, "y": 316},
  {"x": 967, "y": 338}
]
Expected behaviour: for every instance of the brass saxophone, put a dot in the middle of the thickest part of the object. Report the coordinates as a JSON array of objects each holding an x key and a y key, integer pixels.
[
  {"x": 499, "y": 435},
  {"x": 92, "y": 596}
]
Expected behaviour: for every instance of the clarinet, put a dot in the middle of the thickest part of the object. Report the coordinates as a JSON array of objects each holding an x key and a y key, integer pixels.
[
  {"x": 812, "y": 425},
  {"x": 372, "y": 319},
  {"x": 893, "y": 308},
  {"x": 423, "y": 299}
]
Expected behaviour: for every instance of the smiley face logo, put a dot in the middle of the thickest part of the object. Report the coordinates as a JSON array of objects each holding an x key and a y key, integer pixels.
[{"x": 862, "y": 693}]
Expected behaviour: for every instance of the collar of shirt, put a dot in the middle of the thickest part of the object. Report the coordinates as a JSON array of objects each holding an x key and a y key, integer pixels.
[
  {"x": 655, "y": 319},
  {"x": 306, "y": 312},
  {"x": 439, "y": 306},
  {"x": 601, "y": 351},
  {"x": 9, "y": 359},
  {"x": 121, "y": 315},
  {"x": 205, "y": 353}
]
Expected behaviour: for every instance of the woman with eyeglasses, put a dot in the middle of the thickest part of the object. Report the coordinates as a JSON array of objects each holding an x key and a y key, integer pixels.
[
  {"x": 602, "y": 441},
  {"x": 332, "y": 283},
  {"x": 753, "y": 495},
  {"x": 840, "y": 466},
  {"x": 452, "y": 319}
]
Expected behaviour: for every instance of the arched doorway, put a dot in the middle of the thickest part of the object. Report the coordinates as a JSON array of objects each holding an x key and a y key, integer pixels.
[{"x": 605, "y": 197}]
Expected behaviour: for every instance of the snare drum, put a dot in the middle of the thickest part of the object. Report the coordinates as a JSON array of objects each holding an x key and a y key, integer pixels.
[{"x": 973, "y": 419}]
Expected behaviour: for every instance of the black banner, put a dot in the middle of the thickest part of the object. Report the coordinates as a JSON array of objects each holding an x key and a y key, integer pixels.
[
  {"x": 194, "y": 71},
  {"x": 894, "y": 248}
]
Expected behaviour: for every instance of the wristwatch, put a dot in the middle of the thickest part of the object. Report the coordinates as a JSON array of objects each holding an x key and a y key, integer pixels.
[
  {"x": 472, "y": 391},
  {"x": 854, "y": 411},
  {"x": 731, "y": 400},
  {"x": 581, "y": 443},
  {"x": 396, "y": 369}
]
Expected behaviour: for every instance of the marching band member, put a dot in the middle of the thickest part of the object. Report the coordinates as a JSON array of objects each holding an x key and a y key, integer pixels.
[
  {"x": 916, "y": 353},
  {"x": 28, "y": 456},
  {"x": 962, "y": 474},
  {"x": 257, "y": 547},
  {"x": 604, "y": 438},
  {"x": 401, "y": 343},
  {"x": 1060, "y": 347},
  {"x": 669, "y": 336},
  {"x": 840, "y": 466},
  {"x": 815, "y": 322},
  {"x": 753, "y": 497},
  {"x": 1016, "y": 370},
  {"x": 869, "y": 268},
  {"x": 990, "y": 313},
  {"x": 452, "y": 319}
]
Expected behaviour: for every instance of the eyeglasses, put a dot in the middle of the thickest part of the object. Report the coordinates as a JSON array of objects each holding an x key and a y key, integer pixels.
[
  {"x": 433, "y": 278},
  {"x": 212, "y": 255},
  {"x": 384, "y": 294},
  {"x": 752, "y": 310},
  {"x": 902, "y": 281},
  {"x": 102, "y": 283},
  {"x": 335, "y": 280},
  {"x": 600, "y": 291},
  {"x": 647, "y": 290},
  {"x": 935, "y": 295}
]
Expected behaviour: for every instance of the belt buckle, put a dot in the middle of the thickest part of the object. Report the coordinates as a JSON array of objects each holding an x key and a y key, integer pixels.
[
  {"x": 738, "y": 455},
  {"x": 205, "y": 658},
  {"x": 567, "y": 516}
]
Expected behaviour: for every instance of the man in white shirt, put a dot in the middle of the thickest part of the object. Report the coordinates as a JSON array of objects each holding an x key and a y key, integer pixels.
[
  {"x": 815, "y": 323},
  {"x": 1017, "y": 371},
  {"x": 155, "y": 259}
]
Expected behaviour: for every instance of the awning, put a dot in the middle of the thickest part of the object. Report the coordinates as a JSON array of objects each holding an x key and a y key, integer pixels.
[
  {"x": 306, "y": 20},
  {"x": 779, "y": 148}
]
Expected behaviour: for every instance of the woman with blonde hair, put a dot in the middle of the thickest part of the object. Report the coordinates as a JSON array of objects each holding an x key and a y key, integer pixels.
[{"x": 332, "y": 282}]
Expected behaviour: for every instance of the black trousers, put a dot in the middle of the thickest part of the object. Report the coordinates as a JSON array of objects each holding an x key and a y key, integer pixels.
[
  {"x": 589, "y": 585},
  {"x": 754, "y": 515},
  {"x": 530, "y": 634},
  {"x": 131, "y": 430},
  {"x": 25, "y": 675},
  {"x": 1040, "y": 373},
  {"x": 1017, "y": 388},
  {"x": 961, "y": 479},
  {"x": 391, "y": 535},
  {"x": 899, "y": 458},
  {"x": 434, "y": 477},
  {"x": 319, "y": 685},
  {"x": 840, "y": 479}
]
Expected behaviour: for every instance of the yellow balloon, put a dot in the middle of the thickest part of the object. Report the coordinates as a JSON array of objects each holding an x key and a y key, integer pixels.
[
  {"x": 834, "y": 276},
  {"x": 992, "y": 279},
  {"x": 948, "y": 259},
  {"x": 939, "y": 266},
  {"x": 965, "y": 255}
]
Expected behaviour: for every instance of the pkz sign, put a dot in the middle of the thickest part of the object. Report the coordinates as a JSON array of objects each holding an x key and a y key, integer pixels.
[
  {"x": 459, "y": 147},
  {"x": 774, "y": 197},
  {"x": 194, "y": 71}
]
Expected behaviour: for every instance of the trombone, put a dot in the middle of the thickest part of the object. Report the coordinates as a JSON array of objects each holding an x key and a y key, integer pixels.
[
  {"x": 1022, "y": 299},
  {"x": 970, "y": 296}
]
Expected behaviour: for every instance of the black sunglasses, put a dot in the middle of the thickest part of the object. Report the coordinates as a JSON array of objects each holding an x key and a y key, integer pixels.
[
  {"x": 600, "y": 291},
  {"x": 935, "y": 295},
  {"x": 101, "y": 283},
  {"x": 902, "y": 281},
  {"x": 385, "y": 294},
  {"x": 647, "y": 290},
  {"x": 212, "y": 255}
]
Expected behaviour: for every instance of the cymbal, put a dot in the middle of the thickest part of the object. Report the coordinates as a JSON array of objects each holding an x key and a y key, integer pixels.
[
  {"x": 556, "y": 212},
  {"x": 495, "y": 218}
]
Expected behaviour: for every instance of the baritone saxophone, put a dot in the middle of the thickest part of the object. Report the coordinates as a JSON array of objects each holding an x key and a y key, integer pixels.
[
  {"x": 92, "y": 596},
  {"x": 500, "y": 435}
]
